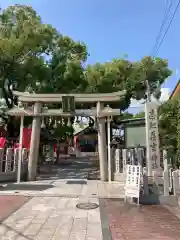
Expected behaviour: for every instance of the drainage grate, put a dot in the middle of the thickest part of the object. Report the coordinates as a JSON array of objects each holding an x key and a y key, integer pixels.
[
  {"x": 76, "y": 182},
  {"x": 87, "y": 206}
]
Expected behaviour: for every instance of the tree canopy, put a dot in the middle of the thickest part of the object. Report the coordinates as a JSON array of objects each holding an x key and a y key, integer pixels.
[
  {"x": 37, "y": 57},
  {"x": 168, "y": 128},
  {"x": 139, "y": 115}
]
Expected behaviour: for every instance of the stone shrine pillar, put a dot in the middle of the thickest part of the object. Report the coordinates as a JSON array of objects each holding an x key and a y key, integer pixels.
[
  {"x": 102, "y": 145},
  {"x": 124, "y": 159},
  {"x": 117, "y": 165},
  {"x": 117, "y": 160},
  {"x": 34, "y": 145}
]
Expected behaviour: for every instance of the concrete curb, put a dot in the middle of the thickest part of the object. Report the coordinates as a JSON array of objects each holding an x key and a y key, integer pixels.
[
  {"x": 106, "y": 233},
  {"x": 175, "y": 211},
  {"x": 38, "y": 194}
]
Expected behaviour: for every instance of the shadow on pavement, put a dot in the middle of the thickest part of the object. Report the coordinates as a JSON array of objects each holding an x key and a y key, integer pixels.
[
  {"x": 25, "y": 187},
  {"x": 83, "y": 168}
]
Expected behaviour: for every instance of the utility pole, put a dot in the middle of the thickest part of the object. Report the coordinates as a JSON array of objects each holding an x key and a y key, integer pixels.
[{"x": 148, "y": 91}]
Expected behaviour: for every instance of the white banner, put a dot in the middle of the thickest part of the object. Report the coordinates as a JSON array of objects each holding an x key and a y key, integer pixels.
[
  {"x": 152, "y": 137},
  {"x": 133, "y": 178}
]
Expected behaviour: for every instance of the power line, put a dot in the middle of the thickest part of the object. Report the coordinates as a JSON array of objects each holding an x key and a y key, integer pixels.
[
  {"x": 158, "y": 47},
  {"x": 169, "y": 25},
  {"x": 164, "y": 21}
]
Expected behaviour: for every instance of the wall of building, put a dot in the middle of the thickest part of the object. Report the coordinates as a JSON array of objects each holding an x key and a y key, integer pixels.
[
  {"x": 176, "y": 91},
  {"x": 88, "y": 142}
]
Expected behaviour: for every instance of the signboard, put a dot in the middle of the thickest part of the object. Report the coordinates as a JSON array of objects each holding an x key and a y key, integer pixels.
[
  {"x": 68, "y": 104},
  {"x": 135, "y": 135},
  {"x": 152, "y": 137},
  {"x": 133, "y": 178}
]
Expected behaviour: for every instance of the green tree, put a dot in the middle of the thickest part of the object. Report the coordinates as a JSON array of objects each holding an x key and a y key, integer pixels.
[
  {"x": 178, "y": 134},
  {"x": 122, "y": 74},
  {"x": 126, "y": 115},
  {"x": 40, "y": 59},
  {"x": 36, "y": 56},
  {"x": 66, "y": 67},
  {"x": 168, "y": 128},
  {"x": 139, "y": 115},
  {"x": 24, "y": 39}
]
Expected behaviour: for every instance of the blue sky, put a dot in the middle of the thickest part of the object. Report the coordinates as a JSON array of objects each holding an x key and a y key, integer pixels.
[{"x": 112, "y": 28}]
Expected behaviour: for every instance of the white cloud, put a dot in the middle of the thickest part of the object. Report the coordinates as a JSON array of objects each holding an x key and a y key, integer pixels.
[
  {"x": 165, "y": 94},
  {"x": 137, "y": 106}
]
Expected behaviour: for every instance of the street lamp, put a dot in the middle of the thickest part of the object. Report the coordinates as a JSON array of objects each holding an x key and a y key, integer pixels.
[{"x": 108, "y": 112}]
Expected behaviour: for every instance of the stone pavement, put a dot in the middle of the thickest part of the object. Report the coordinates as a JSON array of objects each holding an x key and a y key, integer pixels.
[
  {"x": 66, "y": 188},
  {"x": 73, "y": 167},
  {"x": 51, "y": 214},
  {"x": 53, "y": 218},
  {"x": 57, "y": 218}
]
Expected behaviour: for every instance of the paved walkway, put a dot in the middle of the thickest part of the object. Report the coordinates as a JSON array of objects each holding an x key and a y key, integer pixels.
[
  {"x": 66, "y": 188},
  {"x": 127, "y": 222},
  {"x": 71, "y": 168},
  {"x": 53, "y": 218},
  {"x": 57, "y": 218},
  {"x": 46, "y": 209},
  {"x": 50, "y": 213}
]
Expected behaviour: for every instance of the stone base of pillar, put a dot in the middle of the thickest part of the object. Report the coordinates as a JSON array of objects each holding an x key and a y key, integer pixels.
[{"x": 78, "y": 153}]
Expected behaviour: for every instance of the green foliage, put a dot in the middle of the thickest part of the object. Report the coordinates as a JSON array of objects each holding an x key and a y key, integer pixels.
[
  {"x": 40, "y": 59},
  {"x": 126, "y": 115},
  {"x": 120, "y": 74},
  {"x": 169, "y": 127},
  {"x": 25, "y": 45},
  {"x": 178, "y": 134},
  {"x": 61, "y": 132},
  {"x": 139, "y": 115}
]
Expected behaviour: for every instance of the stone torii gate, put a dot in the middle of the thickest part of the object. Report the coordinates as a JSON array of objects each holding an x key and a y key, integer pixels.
[{"x": 69, "y": 104}]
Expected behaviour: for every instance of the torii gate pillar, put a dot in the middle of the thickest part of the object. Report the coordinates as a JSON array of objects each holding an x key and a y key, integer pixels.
[
  {"x": 102, "y": 145},
  {"x": 34, "y": 145}
]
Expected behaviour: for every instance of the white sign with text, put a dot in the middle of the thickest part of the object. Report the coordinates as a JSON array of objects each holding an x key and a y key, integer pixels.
[{"x": 133, "y": 178}]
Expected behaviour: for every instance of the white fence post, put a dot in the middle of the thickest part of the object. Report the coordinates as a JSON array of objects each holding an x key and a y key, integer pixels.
[
  {"x": 132, "y": 157},
  {"x": 170, "y": 178},
  {"x": 175, "y": 182},
  {"x": 124, "y": 155},
  {"x": 155, "y": 177},
  {"x": 140, "y": 156},
  {"x": 1, "y": 159},
  {"x": 155, "y": 182},
  {"x": 165, "y": 160},
  {"x": 9, "y": 159},
  {"x": 117, "y": 160},
  {"x": 16, "y": 157},
  {"x": 178, "y": 176},
  {"x": 24, "y": 155},
  {"x": 166, "y": 183},
  {"x": 145, "y": 183}
]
